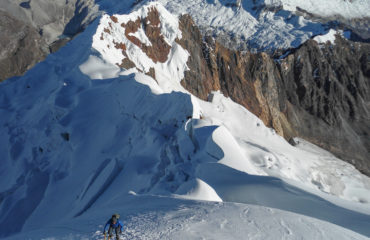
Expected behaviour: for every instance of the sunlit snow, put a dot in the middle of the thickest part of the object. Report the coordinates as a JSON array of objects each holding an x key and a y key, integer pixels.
[{"x": 82, "y": 139}]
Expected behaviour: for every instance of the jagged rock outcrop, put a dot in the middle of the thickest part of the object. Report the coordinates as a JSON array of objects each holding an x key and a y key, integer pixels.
[
  {"x": 318, "y": 92},
  {"x": 199, "y": 79},
  {"x": 158, "y": 49}
]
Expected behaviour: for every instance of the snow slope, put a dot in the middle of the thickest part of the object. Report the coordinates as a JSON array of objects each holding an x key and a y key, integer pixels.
[
  {"x": 78, "y": 133},
  {"x": 265, "y": 25},
  {"x": 346, "y": 8},
  {"x": 149, "y": 217}
]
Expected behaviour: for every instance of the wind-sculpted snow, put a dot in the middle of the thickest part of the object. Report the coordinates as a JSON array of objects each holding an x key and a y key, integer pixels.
[{"x": 73, "y": 147}]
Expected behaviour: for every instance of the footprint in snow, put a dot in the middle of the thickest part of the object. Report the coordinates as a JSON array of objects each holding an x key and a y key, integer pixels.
[
  {"x": 223, "y": 224},
  {"x": 244, "y": 214},
  {"x": 286, "y": 228}
]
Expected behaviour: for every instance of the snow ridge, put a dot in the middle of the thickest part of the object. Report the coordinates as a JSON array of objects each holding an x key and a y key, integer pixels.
[{"x": 76, "y": 148}]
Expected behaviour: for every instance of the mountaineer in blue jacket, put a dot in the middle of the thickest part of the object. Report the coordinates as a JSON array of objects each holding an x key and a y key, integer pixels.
[{"x": 114, "y": 224}]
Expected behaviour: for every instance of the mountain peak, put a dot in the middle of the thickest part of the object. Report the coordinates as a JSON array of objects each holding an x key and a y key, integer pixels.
[{"x": 144, "y": 41}]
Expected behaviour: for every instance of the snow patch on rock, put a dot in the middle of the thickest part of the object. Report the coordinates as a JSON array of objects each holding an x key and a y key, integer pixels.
[
  {"x": 331, "y": 35},
  {"x": 121, "y": 40}
]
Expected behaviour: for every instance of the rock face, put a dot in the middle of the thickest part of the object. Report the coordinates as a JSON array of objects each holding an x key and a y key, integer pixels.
[
  {"x": 318, "y": 92},
  {"x": 252, "y": 80},
  {"x": 158, "y": 49},
  {"x": 32, "y": 29},
  {"x": 328, "y": 94},
  {"x": 21, "y": 46}
]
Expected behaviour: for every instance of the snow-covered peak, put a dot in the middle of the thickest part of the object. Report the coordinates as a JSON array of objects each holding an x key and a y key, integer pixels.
[{"x": 145, "y": 41}]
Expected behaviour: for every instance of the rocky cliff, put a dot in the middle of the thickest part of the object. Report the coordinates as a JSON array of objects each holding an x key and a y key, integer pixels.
[
  {"x": 319, "y": 92},
  {"x": 327, "y": 97}
]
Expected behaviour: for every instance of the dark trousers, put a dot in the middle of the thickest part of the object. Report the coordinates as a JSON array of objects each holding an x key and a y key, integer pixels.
[{"x": 110, "y": 231}]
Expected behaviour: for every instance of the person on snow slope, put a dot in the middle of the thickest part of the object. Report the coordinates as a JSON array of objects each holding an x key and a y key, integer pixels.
[{"x": 114, "y": 225}]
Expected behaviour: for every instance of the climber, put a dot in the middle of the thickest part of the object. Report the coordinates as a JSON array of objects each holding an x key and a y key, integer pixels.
[{"x": 114, "y": 225}]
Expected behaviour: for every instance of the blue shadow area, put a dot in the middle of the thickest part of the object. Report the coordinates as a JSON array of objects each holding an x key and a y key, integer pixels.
[
  {"x": 44, "y": 105},
  {"x": 235, "y": 186}
]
